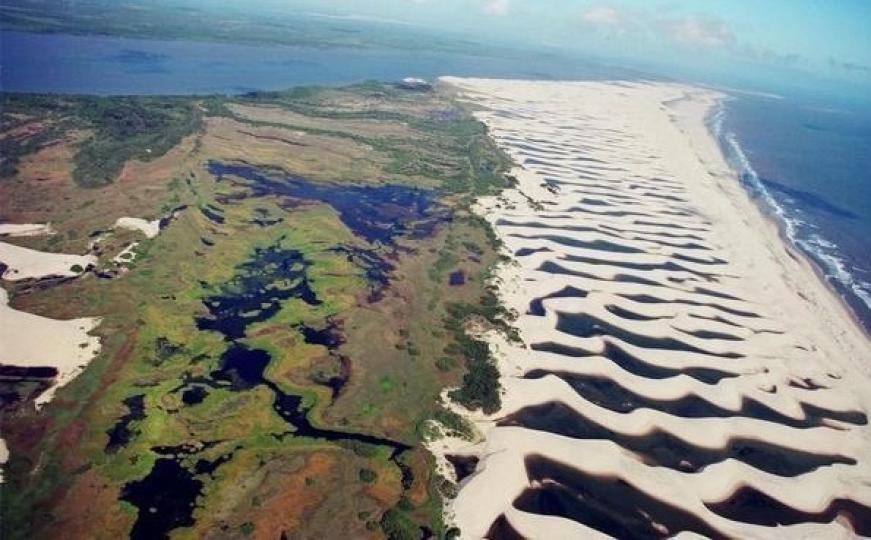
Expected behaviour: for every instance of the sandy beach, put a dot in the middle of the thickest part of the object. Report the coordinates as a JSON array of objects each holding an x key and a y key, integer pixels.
[{"x": 683, "y": 370}]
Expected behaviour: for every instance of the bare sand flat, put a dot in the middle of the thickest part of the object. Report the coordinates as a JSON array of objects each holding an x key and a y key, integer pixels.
[
  {"x": 683, "y": 371},
  {"x": 25, "y": 229},
  {"x": 26, "y": 263},
  {"x": 149, "y": 228}
]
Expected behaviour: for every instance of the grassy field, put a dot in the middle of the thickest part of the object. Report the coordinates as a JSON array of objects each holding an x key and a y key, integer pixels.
[
  {"x": 82, "y": 163},
  {"x": 120, "y": 129},
  {"x": 220, "y": 21}
]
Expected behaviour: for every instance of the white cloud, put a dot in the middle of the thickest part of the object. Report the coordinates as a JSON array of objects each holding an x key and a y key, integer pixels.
[
  {"x": 701, "y": 32},
  {"x": 602, "y": 16},
  {"x": 496, "y": 7},
  {"x": 692, "y": 31},
  {"x": 611, "y": 21}
]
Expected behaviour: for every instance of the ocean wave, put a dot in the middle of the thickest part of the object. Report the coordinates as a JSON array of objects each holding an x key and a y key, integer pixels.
[
  {"x": 823, "y": 251},
  {"x": 836, "y": 266}
]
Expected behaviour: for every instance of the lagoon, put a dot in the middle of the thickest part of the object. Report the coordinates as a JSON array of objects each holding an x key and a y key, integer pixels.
[{"x": 103, "y": 65}]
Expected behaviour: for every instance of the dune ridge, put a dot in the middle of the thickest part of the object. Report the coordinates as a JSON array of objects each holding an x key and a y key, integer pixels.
[{"x": 683, "y": 371}]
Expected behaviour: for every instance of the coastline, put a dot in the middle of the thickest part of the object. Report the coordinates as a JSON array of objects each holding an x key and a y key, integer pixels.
[
  {"x": 828, "y": 299},
  {"x": 767, "y": 208},
  {"x": 801, "y": 345}
]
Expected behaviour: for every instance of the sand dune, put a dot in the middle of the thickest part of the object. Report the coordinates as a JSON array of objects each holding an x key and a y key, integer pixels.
[
  {"x": 683, "y": 371},
  {"x": 149, "y": 228},
  {"x": 25, "y": 263},
  {"x": 25, "y": 229},
  {"x": 4, "y": 457},
  {"x": 32, "y": 341}
]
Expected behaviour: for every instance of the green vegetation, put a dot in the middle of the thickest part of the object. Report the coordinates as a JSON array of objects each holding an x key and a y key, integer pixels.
[
  {"x": 13, "y": 148},
  {"x": 397, "y": 525},
  {"x": 382, "y": 378},
  {"x": 454, "y": 423},
  {"x": 118, "y": 129},
  {"x": 128, "y": 128},
  {"x": 452, "y": 148},
  {"x": 367, "y": 476},
  {"x": 220, "y": 22},
  {"x": 480, "y": 387}
]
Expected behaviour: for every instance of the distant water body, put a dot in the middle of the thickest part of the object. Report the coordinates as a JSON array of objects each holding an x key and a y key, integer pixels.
[
  {"x": 74, "y": 64},
  {"x": 810, "y": 164}
]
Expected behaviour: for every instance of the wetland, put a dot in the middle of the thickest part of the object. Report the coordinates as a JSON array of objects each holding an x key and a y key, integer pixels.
[{"x": 274, "y": 357}]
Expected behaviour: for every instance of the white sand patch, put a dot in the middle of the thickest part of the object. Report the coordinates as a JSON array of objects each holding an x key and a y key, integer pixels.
[
  {"x": 28, "y": 340},
  {"x": 25, "y": 229},
  {"x": 26, "y": 263},
  {"x": 127, "y": 254},
  {"x": 149, "y": 228},
  {"x": 4, "y": 457},
  {"x": 639, "y": 260}
]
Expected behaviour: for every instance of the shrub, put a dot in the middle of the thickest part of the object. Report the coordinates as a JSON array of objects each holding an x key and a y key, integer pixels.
[
  {"x": 398, "y": 526},
  {"x": 367, "y": 476}
]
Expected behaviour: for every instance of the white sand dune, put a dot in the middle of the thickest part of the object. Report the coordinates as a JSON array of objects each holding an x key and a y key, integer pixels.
[
  {"x": 25, "y": 229},
  {"x": 32, "y": 341},
  {"x": 28, "y": 340},
  {"x": 26, "y": 263},
  {"x": 126, "y": 255},
  {"x": 149, "y": 228},
  {"x": 4, "y": 457},
  {"x": 677, "y": 355}
]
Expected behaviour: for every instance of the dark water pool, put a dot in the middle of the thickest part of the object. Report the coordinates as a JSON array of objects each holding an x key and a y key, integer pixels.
[
  {"x": 660, "y": 448},
  {"x": 166, "y": 497},
  {"x": 377, "y": 213},
  {"x": 607, "y": 504}
]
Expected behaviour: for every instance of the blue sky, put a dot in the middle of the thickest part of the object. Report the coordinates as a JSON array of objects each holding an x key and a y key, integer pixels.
[{"x": 810, "y": 40}]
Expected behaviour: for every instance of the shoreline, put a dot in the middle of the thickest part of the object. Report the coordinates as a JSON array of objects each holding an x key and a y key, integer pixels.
[
  {"x": 777, "y": 230},
  {"x": 610, "y": 176},
  {"x": 765, "y": 209}
]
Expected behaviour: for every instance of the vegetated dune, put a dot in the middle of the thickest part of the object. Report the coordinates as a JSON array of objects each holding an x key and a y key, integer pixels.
[{"x": 683, "y": 371}]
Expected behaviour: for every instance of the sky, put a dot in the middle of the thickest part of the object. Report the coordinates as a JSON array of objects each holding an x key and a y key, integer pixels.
[{"x": 825, "y": 42}]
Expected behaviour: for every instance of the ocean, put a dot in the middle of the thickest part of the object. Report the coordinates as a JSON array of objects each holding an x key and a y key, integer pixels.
[{"x": 809, "y": 163}]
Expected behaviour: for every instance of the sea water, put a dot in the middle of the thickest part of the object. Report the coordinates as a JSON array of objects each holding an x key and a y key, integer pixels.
[{"x": 808, "y": 162}]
